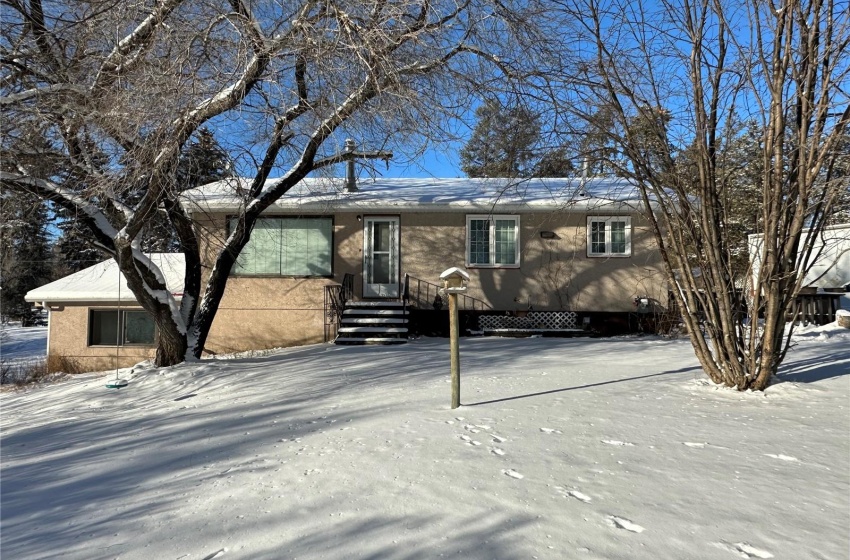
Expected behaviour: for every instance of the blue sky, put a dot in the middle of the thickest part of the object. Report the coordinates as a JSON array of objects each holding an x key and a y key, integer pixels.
[{"x": 432, "y": 164}]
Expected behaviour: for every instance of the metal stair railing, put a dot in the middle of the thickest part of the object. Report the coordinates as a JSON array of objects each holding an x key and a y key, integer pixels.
[
  {"x": 336, "y": 296},
  {"x": 422, "y": 294}
]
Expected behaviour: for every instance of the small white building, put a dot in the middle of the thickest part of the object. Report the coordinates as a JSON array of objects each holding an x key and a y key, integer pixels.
[{"x": 830, "y": 270}]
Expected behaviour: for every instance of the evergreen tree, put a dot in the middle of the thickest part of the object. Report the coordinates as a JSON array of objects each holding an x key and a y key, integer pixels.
[
  {"x": 596, "y": 148},
  {"x": 555, "y": 163},
  {"x": 840, "y": 172},
  {"x": 25, "y": 256},
  {"x": 506, "y": 143},
  {"x": 502, "y": 142},
  {"x": 741, "y": 169},
  {"x": 202, "y": 161},
  {"x": 73, "y": 248},
  {"x": 739, "y": 172}
]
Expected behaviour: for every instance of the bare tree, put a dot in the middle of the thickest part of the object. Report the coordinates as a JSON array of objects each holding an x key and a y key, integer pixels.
[
  {"x": 675, "y": 80},
  {"x": 106, "y": 94}
]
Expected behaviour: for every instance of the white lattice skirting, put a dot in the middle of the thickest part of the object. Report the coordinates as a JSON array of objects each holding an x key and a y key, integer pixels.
[{"x": 535, "y": 320}]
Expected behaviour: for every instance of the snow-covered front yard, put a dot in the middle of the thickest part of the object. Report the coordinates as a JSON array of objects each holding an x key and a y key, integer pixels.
[
  {"x": 22, "y": 344},
  {"x": 564, "y": 448}
]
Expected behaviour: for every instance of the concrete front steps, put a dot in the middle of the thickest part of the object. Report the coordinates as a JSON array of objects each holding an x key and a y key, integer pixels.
[{"x": 373, "y": 322}]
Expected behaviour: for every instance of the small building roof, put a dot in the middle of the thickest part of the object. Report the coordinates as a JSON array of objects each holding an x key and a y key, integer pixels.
[
  {"x": 103, "y": 282},
  {"x": 429, "y": 195}
]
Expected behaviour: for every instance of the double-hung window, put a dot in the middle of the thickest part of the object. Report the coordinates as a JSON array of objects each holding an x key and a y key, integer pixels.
[
  {"x": 609, "y": 236},
  {"x": 114, "y": 327},
  {"x": 492, "y": 241},
  {"x": 288, "y": 247}
]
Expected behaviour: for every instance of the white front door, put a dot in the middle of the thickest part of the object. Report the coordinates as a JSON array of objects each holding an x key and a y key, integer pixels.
[{"x": 380, "y": 257}]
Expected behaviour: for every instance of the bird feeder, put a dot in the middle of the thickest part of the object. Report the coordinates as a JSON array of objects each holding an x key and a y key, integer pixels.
[{"x": 454, "y": 282}]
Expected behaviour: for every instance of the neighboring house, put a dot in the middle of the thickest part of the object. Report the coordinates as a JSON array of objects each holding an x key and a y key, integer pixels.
[{"x": 575, "y": 253}]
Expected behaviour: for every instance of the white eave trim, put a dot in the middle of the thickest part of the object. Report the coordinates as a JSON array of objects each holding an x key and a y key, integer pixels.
[
  {"x": 336, "y": 207},
  {"x": 94, "y": 298}
]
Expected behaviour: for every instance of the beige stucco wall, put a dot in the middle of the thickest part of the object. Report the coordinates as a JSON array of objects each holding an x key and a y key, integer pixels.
[
  {"x": 69, "y": 349},
  {"x": 267, "y": 312},
  {"x": 554, "y": 274}
]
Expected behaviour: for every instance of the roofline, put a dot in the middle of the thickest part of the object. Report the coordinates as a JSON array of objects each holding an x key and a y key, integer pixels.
[
  {"x": 557, "y": 194},
  {"x": 103, "y": 284},
  {"x": 75, "y": 299},
  {"x": 584, "y": 206}
]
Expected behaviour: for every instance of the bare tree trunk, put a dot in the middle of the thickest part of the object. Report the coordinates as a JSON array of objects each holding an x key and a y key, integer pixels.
[
  {"x": 141, "y": 279},
  {"x": 674, "y": 80},
  {"x": 171, "y": 345}
]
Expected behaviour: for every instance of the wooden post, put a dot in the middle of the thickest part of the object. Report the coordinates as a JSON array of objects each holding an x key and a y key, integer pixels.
[
  {"x": 454, "y": 282},
  {"x": 455, "y": 349}
]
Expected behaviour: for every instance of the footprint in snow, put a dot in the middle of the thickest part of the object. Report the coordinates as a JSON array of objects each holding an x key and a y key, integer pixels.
[
  {"x": 573, "y": 494},
  {"x": 623, "y": 523},
  {"x": 471, "y": 428},
  {"x": 697, "y": 445},
  {"x": 550, "y": 431},
  {"x": 783, "y": 457},
  {"x": 469, "y": 440},
  {"x": 580, "y": 497},
  {"x": 617, "y": 442},
  {"x": 513, "y": 474},
  {"x": 497, "y": 451},
  {"x": 751, "y": 551},
  {"x": 745, "y": 550},
  {"x": 499, "y": 439}
]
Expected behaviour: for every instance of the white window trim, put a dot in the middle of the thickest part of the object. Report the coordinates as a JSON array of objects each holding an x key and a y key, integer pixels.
[
  {"x": 492, "y": 249},
  {"x": 608, "y": 220}
]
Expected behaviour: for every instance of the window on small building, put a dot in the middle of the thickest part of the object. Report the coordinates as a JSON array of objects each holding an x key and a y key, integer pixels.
[
  {"x": 113, "y": 327},
  {"x": 492, "y": 241},
  {"x": 609, "y": 236},
  {"x": 288, "y": 247}
]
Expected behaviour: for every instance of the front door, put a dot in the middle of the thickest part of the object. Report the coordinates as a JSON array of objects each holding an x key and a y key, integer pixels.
[{"x": 380, "y": 257}]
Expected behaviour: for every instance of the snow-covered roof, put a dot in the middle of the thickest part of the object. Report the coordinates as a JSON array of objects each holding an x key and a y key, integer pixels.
[
  {"x": 100, "y": 283},
  {"x": 429, "y": 195}
]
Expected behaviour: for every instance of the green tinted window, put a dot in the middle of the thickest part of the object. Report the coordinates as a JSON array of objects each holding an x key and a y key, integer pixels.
[{"x": 288, "y": 247}]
